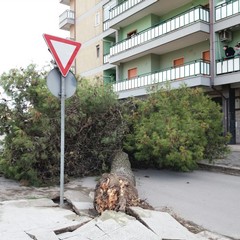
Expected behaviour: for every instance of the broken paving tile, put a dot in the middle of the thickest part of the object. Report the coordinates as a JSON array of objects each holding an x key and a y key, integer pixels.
[
  {"x": 79, "y": 202},
  {"x": 115, "y": 226},
  {"x": 42, "y": 234},
  {"x": 88, "y": 231},
  {"x": 77, "y": 196},
  {"x": 23, "y": 216},
  {"x": 163, "y": 224}
]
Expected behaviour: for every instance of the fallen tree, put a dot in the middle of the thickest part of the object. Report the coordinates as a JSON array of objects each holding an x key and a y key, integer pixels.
[
  {"x": 117, "y": 190},
  {"x": 29, "y": 120}
]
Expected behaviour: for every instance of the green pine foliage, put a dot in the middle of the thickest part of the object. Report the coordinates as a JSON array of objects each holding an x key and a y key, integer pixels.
[
  {"x": 30, "y": 121},
  {"x": 170, "y": 128},
  {"x": 30, "y": 124},
  {"x": 95, "y": 129},
  {"x": 175, "y": 128}
]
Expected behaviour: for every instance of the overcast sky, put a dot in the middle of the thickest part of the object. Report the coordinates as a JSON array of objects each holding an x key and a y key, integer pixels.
[{"x": 22, "y": 24}]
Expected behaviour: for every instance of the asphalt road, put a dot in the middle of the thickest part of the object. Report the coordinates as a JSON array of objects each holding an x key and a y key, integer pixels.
[{"x": 211, "y": 200}]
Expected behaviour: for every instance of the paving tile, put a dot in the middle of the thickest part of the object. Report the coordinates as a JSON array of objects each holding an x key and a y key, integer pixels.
[
  {"x": 14, "y": 236},
  {"x": 88, "y": 231},
  {"x": 163, "y": 224},
  {"x": 133, "y": 230},
  {"x": 29, "y": 215},
  {"x": 115, "y": 226},
  {"x": 42, "y": 234}
]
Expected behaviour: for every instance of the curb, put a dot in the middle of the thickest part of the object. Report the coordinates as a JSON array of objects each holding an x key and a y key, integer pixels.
[{"x": 220, "y": 168}]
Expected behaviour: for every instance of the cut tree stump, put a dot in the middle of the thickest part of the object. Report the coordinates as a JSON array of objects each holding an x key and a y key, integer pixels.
[{"x": 116, "y": 190}]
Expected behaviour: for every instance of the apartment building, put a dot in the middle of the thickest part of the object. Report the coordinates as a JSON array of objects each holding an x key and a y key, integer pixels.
[{"x": 136, "y": 44}]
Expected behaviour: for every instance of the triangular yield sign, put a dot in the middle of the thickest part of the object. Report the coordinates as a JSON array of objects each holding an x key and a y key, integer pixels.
[{"x": 63, "y": 50}]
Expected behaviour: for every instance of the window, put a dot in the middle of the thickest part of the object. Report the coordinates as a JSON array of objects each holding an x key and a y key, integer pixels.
[
  {"x": 206, "y": 55},
  {"x": 132, "y": 73},
  {"x": 98, "y": 51},
  {"x": 178, "y": 62},
  {"x": 97, "y": 19}
]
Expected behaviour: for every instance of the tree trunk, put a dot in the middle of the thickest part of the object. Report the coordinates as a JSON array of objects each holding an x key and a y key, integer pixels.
[{"x": 116, "y": 190}]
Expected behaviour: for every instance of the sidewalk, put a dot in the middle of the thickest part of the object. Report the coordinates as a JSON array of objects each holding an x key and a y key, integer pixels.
[
  {"x": 42, "y": 219},
  {"x": 228, "y": 165}
]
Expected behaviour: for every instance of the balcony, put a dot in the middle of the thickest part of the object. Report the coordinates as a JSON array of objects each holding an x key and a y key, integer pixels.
[
  {"x": 122, "y": 7},
  {"x": 180, "y": 31},
  {"x": 228, "y": 65},
  {"x": 66, "y": 2},
  {"x": 130, "y": 11},
  {"x": 227, "y": 9},
  {"x": 194, "y": 73},
  {"x": 66, "y": 20},
  {"x": 119, "y": 9},
  {"x": 227, "y": 71}
]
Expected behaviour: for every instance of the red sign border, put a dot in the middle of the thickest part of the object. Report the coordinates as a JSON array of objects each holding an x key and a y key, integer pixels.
[{"x": 63, "y": 70}]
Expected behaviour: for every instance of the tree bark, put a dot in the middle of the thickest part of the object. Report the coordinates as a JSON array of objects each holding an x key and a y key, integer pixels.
[{"x": 116, "y": 190}]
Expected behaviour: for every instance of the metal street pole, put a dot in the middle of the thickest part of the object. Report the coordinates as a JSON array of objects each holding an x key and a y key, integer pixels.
[
  {"x": 58, "y": 52},
  {"x": 62, "y": 140}
]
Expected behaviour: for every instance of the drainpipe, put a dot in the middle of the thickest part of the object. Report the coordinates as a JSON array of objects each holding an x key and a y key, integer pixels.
[
  {"x": 118, "y": 65},
  {"x": 213, "y": 61},
  {"x": 212, "y": 41},
  {"x": 117, "y": 74},
  {"x": 212, "y": 48},
  {"x": 225, "y": 107},
  {"x": 232, "y": 126}
]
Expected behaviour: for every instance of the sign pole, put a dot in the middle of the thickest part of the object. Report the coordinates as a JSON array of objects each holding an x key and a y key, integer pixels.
[
  {"x": 62, "y": 93},
  {"x": 64, "y": 52}
]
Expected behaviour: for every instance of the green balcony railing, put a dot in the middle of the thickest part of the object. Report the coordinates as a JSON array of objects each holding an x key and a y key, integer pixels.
[
  {"x": 195, "y": 68},
  {"x": 193, "y": 15},
  {"x": 227, "y": 9},
  {"x": 228, "y": 65},
  {"x": 122, "y": 7}
]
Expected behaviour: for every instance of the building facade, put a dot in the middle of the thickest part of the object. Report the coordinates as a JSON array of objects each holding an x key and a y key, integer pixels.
[{"x": 136, "y": 44}]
